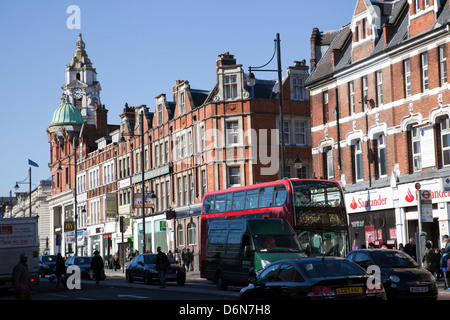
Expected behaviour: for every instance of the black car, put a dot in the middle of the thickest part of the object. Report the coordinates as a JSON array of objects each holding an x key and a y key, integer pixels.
[
  {"x": 47, "y": 265},
  {"x": 84, "y": 263},
  {"x": 401, "y": 276},
  {"x": 143, "y": 267},
  {"x": 319, "y": 278}
]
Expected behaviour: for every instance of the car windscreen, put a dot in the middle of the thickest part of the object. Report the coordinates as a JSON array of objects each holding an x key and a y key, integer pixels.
[
  {"x": 326, "y": 268},
  {"x": 393, "y": 259},
  {"x": 151, "y": 259}
]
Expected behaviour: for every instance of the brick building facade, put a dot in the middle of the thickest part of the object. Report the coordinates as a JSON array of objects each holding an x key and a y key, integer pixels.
[
  {"x": 379, "y": 99},
  {"x": 202, "y": 140}
]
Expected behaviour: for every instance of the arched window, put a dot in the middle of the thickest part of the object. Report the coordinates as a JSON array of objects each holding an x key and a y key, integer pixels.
[
  {"x": 180, "y": 235},
  {"x": 192, "y": 233}
]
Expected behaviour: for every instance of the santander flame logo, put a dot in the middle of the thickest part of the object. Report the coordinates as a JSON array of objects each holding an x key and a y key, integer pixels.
[
  {"x": 353, "y": 205},
  {"x": 409, "y": 196}
]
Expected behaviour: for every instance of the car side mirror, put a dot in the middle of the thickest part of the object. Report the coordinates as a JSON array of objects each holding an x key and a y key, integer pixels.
[
  {"x": 247, "y": 251},
  {"x": 140, "y": 263}
]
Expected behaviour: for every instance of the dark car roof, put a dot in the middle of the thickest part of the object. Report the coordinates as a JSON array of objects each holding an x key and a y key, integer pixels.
[
  {"x": 310, "y": 259},
  {"x": 374, "y": 250}
]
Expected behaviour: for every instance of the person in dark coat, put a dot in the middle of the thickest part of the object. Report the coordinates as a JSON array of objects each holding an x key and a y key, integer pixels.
[
  {"x": 97, "y": 266},
  {"x": 410, "y": 248},
  {"x": 60, "y": 268},
  {"x": 162, "y": 263},
  {"x": 21, "y": 279}
]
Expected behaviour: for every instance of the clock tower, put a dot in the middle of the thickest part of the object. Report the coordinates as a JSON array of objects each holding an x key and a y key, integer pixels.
[{"x": 81, "y": 87}]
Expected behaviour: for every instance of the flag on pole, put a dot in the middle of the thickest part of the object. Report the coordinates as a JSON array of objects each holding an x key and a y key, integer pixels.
[{"x": 32, "y": 163}]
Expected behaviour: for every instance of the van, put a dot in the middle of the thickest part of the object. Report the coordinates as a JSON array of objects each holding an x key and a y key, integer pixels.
[{"x": 238, "y": 248}]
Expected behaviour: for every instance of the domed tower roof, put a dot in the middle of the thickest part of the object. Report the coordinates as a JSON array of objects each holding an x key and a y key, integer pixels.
[{"x": 66, "y": 113}]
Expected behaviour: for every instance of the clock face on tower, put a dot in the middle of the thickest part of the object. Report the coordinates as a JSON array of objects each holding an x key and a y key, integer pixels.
[{"x": 77, "y": 94}]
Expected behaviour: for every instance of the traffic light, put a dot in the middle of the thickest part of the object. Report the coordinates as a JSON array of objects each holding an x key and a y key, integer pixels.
[
  {"x": 122, "y": 224},
  {"x": 58, "y": 239}
]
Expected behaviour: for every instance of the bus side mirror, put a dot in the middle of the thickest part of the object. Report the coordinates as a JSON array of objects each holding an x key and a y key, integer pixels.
[{"x": 247, "y": 251}]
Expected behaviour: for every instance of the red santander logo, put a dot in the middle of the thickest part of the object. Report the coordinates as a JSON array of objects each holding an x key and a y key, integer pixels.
[
  {"x": 409, "y": 196},
  {"x": 353, "y": 205}
]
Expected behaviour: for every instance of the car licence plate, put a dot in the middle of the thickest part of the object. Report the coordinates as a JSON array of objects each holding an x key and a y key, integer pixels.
[
  {"x": 418, "y": 289},
  {"x": 349, "y": 290}
]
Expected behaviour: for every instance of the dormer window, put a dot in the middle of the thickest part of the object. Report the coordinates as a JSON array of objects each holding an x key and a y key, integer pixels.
[
  {"x": 297, "y": 88},
  {"x": 230, "y": 86},
  {"x": 182, "y": 103},
  {"x": 160, "y": 114},
  {"x": 361, "y": 30}
]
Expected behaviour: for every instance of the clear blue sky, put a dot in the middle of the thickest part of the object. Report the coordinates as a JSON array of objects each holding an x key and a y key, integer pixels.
[{"x": 139, "y": 48}]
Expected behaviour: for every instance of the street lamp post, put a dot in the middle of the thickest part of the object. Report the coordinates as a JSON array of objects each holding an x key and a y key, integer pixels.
[
  {"x": 16, "y": 187},
  {"x": 251, "y": 81}
]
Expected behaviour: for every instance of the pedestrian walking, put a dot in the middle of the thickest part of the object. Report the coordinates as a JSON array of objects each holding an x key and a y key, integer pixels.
[
  {"x": 177, "y": 256},
  {"x": 191, "y": 259},
  {"x": 447, "y": 243},
  {"x": 60, "y": 268},
  {"x": 184, "y": 257},
  {"x": 410, "y": 248},
  {"x": 21, "y": 279},
  {"x": 115, "y": 261},
  {"x": 437, "y": 259},
  {"x": 443, "y": 264},
  {"x": 162, "y": 263},
  {"x": 428, "y": 258},
  {"x": 97, "y": 266}
]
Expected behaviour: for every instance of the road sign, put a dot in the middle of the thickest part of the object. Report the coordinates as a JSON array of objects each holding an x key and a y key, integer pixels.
[
  {"x": 426, "y": 206},
  {"x": 446, "y": 184},
  {"x": 425, "y": 195}
]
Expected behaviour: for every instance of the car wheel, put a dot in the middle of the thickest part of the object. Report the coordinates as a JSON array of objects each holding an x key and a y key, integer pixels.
[
  {"x": 129, "y": 278},
  {"x": 221, "y": 284},
  {"x": 181, "y": 281}
]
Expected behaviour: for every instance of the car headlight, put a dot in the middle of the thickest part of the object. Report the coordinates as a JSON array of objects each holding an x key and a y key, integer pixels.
[
  {"x": 394, "y": 278},
  {"x": 432, "y": 279},
  {"x": 264, "y": 263}
]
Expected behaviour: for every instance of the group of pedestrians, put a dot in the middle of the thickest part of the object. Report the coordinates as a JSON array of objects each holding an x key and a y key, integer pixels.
[
  {"x": 436, "y": 261},
  {"x": 185, "y": 257}
]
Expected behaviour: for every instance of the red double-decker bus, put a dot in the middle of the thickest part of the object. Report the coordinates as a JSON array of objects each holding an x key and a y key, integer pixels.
[{"x": 314, "y": 208}]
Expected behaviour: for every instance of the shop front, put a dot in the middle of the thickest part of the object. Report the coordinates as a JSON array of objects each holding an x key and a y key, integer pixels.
[
  {"x": 102, "y": 239},
  {"x": 434, "y": 224},
  {"x": 156, "y": 232},
  {"x": 390, "y": 215},
  {"x": 371, "y": 218}
]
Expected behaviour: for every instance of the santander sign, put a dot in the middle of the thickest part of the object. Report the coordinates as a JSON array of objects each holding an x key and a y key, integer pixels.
[
  {"x": 369, "y": 200},
  {"x": 407, "y": 193}
]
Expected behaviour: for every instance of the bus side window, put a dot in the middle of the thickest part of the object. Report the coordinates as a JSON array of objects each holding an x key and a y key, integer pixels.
[
  {"x": 219, "y": 203},
  {"x": 238, "y": 200},
  {"x": 280, "y": 195},
  {"x": 229, "y": 205},
  {"x": 265, "y": 197},
  {"x": 251, "y": 199},
  {"x": 208, "y": 205}
]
